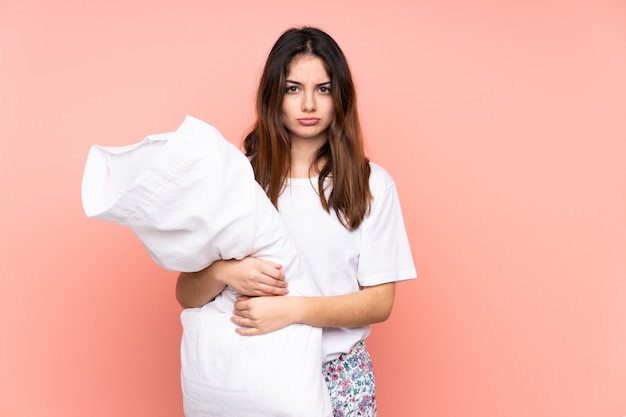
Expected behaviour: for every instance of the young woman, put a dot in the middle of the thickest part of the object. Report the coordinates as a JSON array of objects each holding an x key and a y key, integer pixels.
[{"x": 306, "y": 150}]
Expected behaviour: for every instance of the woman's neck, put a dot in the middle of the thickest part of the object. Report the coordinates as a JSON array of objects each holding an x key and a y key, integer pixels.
[{"x": 302, "y": 158}]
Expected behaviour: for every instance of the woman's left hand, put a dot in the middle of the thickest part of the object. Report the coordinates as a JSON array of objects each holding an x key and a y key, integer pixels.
[{"x": 261, "y": 315}]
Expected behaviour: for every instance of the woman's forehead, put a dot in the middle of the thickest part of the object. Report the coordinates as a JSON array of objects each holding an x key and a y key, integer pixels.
[{"x": 307, "y": 66}]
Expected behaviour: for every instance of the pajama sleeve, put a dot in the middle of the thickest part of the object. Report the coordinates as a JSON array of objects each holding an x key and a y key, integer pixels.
[{"x": 385, "y": 252}]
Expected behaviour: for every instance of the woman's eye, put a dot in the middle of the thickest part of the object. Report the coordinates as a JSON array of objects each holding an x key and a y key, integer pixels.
[
  {"x": 292, "y": 89},
  {"x": 325, "y": 90}
]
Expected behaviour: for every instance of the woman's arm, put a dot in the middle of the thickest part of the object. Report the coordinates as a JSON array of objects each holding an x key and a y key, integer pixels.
[
  {"x": 367, "y": 306},
  {"x": 262, "y": 315},
  {"x": 195, "y": 289},
  {"x": 250, "y": 276}
]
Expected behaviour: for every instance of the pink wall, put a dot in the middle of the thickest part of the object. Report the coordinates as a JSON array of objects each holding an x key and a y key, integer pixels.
[{"x": 502, "y": 122}]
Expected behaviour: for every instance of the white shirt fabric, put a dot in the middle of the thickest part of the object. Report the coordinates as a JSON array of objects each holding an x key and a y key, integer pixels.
[
  {"x": 343, "y": 261},
  {"x": 191, "y": 198}
]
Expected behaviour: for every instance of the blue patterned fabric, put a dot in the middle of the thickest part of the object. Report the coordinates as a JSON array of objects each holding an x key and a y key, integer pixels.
[{"x": 350, "y": 381}]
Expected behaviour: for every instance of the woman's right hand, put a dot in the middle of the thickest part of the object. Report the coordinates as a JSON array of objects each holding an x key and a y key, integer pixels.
[
  {"x": 251, "y": 276},
  {"x": 248, "y": 276}
]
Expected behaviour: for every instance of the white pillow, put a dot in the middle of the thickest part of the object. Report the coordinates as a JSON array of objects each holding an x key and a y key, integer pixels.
[{"x": 191, "y": 198}]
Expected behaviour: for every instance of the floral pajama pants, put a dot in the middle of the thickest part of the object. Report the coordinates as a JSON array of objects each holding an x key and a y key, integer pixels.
[{"x": 350, "y": 381}]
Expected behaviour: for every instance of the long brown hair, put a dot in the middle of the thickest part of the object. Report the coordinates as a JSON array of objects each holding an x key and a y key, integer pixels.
[{"x": 344, "y": 162}]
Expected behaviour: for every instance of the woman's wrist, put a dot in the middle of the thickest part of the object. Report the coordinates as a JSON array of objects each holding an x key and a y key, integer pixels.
[
  {"x": 216, "y": 273},
  {"x": 299, "y": 309}
]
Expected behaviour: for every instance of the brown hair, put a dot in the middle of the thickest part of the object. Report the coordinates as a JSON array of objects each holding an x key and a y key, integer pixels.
[{"x": 268, "y": 144}]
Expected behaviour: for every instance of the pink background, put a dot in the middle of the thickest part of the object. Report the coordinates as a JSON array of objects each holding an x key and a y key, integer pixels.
[{"x": 503, "y": 124}]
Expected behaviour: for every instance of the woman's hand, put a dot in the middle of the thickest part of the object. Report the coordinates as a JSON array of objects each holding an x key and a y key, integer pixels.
[
  {"x": 248, "y": 276},
  {"x": 252, "y": 276},
  {"x": 261, "y": 315}
]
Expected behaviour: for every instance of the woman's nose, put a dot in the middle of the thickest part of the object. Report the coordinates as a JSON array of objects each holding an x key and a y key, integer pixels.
[{"x": 308, "y": 102}]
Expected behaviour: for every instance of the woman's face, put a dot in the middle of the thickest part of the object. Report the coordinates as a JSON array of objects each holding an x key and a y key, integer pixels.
[{"x": 308, "y": 107}]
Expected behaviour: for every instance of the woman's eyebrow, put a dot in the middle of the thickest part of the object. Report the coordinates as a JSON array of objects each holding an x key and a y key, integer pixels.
[{"x": 299, "y": 83}]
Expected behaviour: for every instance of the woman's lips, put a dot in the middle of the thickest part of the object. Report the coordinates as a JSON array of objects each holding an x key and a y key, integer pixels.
[{"x": 308, "y": 121}]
